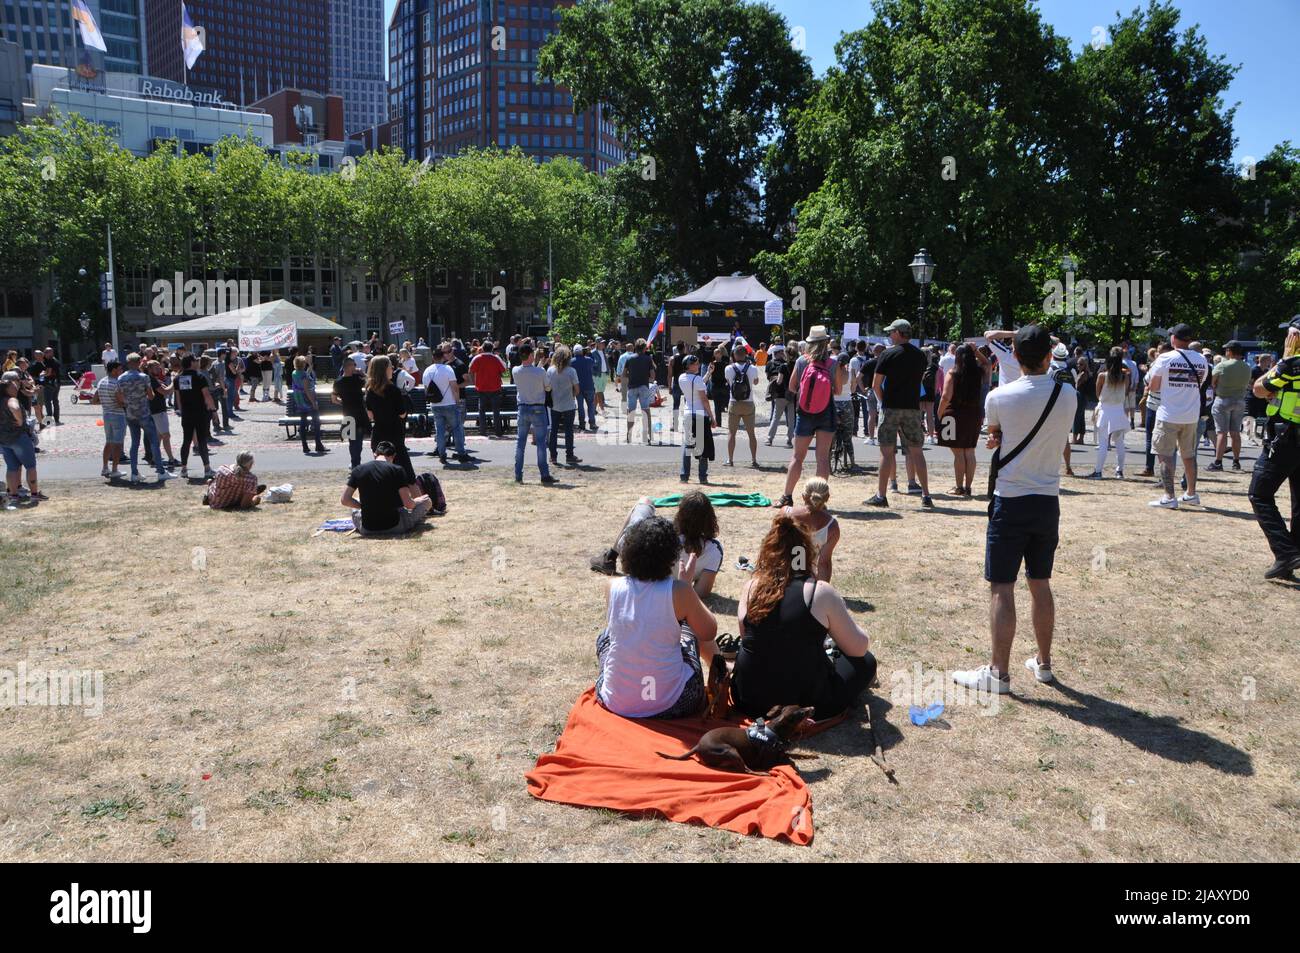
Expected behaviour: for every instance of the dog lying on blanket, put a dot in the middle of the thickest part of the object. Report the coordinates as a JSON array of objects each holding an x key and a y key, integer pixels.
[{"x": 751, "y": 750}]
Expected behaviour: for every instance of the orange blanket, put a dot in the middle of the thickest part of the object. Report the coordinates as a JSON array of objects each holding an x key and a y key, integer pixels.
[{"x": 604, "y": 760}]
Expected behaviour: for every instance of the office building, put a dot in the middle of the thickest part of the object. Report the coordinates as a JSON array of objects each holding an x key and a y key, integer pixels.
[{"x": 357, "y": 61}]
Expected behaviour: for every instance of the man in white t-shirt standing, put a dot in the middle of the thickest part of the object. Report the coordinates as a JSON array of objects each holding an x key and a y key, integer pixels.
[
  {"x": 1178, "y": 377},
  {"x": 1000, "y": 343},
  {"x": 1025, "y": 511},
  {"x": 108, "y": 354}
]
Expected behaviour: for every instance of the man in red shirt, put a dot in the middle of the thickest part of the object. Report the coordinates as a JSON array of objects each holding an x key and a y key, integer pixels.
[{"x": 486, "y": 369}]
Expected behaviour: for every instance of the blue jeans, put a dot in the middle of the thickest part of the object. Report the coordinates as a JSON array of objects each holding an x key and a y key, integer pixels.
[
  {"x": 586, "y": 402},
  {"x": 448, "y": 417},
  {"x": 228, "y": 400},
  {"x": 151, "y": 434},
  {"x": 532, "y": 417}
]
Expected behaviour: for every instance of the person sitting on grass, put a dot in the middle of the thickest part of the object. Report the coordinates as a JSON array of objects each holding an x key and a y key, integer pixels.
[
  {"x": 696, "y": 523},
  {"x": 818, "y": 521},
  {"x": 785, "y": 614},
  {"x": 390, "y": 504},
  {"x": 235, "y": 488},
  {"x": 658, "y": 634}
]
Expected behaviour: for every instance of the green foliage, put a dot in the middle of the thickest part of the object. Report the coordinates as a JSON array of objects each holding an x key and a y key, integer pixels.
[{"x": 698, "y": 90}]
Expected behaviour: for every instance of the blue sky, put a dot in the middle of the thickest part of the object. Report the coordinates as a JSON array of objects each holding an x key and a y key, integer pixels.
[{"x": 1259, "y": 36}]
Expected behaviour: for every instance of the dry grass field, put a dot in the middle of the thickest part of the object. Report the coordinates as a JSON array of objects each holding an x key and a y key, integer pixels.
[{"x": 273, "y": 696}]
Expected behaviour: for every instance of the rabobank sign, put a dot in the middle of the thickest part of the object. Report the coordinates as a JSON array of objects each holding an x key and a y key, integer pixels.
[{"x": 164, "y": 89}]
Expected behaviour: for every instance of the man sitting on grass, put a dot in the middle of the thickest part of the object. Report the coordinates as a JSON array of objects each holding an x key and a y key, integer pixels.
[
  {"x": 235, "y": 488},
  {"x": 389, "y": 504}
]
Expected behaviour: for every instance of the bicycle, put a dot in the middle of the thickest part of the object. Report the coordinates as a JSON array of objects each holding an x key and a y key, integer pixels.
[{"x": 842, "y": 448}]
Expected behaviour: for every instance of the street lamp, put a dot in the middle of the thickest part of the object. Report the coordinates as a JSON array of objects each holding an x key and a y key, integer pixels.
[{"x": 923, "y": 271}]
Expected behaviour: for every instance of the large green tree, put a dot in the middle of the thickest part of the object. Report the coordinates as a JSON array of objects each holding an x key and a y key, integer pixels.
[
  {"x": 697, "y": 90},
  {"x": 941, "y": 125}
]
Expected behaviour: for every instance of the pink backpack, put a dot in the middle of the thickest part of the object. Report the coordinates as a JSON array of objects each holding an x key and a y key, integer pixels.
[{"x": 815, "y": 388}]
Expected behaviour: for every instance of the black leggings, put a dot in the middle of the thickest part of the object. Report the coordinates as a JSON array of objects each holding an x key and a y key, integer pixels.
[
  {"x": 851, "y": 678},
  {"x": 195, "y": 429}
]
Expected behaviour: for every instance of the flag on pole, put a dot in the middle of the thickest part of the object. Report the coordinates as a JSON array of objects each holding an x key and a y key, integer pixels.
[
  {"x": 658, "y": 326},
  {"x": 90, "y": 34},
  {"x": 191, "y": 39}
]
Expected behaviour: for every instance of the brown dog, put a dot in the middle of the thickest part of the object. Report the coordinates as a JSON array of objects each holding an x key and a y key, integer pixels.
[{"x": 760, "y": 746}]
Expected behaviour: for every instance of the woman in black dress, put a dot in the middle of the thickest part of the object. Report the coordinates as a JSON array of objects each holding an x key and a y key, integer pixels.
[
  {"x": 960, "y": 411},
  {"x": 386, "y": 408},
  {"x": 1084, "y": 385},
  {"x": 718, "y": 389}
]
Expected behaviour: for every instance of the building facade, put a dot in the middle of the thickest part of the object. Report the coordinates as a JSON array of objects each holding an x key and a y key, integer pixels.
[
  {"x": 46, "y": 32},
  {"x": 253, "y": 47},
  {"x": 357, "y": 61},
  {"x": 142, "y": 113},
  {"x": 463, "y": 73}
]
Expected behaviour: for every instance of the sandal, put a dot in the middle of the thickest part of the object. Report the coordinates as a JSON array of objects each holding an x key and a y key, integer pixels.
[{"x": 786, "y": 500}]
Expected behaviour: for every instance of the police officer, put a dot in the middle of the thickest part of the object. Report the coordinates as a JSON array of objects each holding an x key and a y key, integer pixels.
[{"x": 1280, "y": 461}]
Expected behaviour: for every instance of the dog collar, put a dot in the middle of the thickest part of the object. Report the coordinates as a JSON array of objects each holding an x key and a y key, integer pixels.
[{"x": 761, "y": 734}]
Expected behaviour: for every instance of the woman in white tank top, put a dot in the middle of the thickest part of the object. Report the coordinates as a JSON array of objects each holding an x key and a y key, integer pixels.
[
  {"x": 1113, "y": 386},
  {"x": 818, "y": 521},
  {"x": 651, "y": 664}
]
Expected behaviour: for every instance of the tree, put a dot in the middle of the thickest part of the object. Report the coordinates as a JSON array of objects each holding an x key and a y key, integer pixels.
[
  {"x": 697, "y": 90},
  {"x": 941, "y": 125},
  {"x": 1150, "y": 166}
]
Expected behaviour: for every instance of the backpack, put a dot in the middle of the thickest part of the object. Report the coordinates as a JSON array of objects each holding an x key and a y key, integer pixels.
[
  {"x": 776, "y": 375},
  {"x": 814, "y": 389},
  {"x": 740, "y": 381},
  {"x": 431, "y": 488}
]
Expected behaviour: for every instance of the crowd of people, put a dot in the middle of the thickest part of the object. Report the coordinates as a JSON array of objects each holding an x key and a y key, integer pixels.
[{"x": 1027, "y": 393}]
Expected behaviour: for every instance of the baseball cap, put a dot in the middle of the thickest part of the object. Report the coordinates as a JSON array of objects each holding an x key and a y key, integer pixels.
[
  {"x": 1295, "y": 323},
  {"x": 902, "y": 325},
  {"x": 1182, "y": 331},
  {"x": 1032, "y": 344}
]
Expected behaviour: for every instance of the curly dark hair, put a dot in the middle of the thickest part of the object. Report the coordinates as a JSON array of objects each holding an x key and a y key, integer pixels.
[
  {"x": 650, "y": 550},
  {"x": 696, "y": 521}
]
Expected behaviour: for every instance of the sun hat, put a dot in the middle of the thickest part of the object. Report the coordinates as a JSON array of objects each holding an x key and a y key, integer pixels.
[{"x": 817, "y": 333}]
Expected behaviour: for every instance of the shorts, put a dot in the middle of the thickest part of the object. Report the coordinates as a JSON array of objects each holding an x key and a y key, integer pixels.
[
  {"x": 806, "y": 424},
  {"x": 114, "y": 428},
  {"x": 638, "y": 396},
  {"x": 160, "y": 422},
  {"x": 1228, "y": 413},
  {"x": 907, "y": 423},
  {"x": 740, "y": 412},
  {"x": 602, "y": 381},
  {"x": 20, "y": 453},
  {"x": 1021, "y": 528},
  {"x": 1169, "y": 437}
]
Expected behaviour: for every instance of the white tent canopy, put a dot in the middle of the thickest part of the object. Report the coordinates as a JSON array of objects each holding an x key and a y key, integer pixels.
[{"x": 228, "y": 323}]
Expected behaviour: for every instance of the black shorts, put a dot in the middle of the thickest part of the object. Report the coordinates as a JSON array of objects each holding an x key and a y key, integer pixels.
[{"x": 1021, "y": 528}]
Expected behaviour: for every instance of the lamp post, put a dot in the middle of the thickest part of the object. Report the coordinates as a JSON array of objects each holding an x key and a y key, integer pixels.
[{"x": 923, "y": 272}]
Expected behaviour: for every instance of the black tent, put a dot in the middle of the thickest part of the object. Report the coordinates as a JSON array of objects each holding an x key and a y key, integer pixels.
[{"x": 722, "y": 303}]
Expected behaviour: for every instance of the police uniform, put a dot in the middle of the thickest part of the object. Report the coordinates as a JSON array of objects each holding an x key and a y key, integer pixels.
[{"x": 1280, "y": 463}]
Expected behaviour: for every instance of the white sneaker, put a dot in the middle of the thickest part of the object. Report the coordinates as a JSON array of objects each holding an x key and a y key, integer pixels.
[
  {"x": 982, "y": 679},
  {"x": 164, "y": 476},
  {"x": 104, "y": 472},
  {"x": 1193, "y": 498},
  {"x": 1041, "y": 672},
  {"x": 1167, "y": 502},
  {"x": 135, "y": 478}
]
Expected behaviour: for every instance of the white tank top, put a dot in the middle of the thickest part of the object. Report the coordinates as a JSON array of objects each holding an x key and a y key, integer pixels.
[
  {"x": 819, "y": 536},
  {"x": 642, "y": 671},
  {"x": 1113, "y": 393}
]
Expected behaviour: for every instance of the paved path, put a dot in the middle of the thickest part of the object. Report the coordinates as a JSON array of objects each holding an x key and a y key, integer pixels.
[{"x": 72, "y": 450}]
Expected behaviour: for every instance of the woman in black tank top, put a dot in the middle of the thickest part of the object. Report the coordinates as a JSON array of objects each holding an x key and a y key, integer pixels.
[{"x": 782, "y": 659}]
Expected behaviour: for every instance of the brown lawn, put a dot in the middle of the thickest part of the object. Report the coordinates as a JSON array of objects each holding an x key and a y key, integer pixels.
[{"x": 274, "y": 696}]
